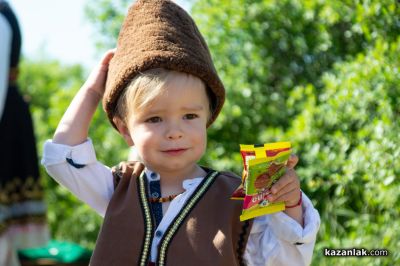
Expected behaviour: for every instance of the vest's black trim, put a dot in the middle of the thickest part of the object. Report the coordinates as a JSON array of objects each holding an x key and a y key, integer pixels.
[
  {"x": 240, "y": 249},
  {"x": 148, "y": 221},
  {"x": 184, "y": 212}
]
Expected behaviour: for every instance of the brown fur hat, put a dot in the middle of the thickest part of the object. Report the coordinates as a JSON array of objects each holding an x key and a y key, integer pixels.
[{"x": 160, "y": 34}]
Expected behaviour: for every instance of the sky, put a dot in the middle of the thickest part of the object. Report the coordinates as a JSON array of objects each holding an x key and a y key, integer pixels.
[{"x": 58, "y": 29}]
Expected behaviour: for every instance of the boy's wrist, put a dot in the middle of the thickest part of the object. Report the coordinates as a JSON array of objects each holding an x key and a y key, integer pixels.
[
  {"x": 293, "y": 204},
  {"x": 94, "y": 94}
]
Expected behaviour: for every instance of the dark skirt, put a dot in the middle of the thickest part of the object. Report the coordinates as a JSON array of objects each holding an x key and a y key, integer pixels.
[{"x": 21, "y": 195}]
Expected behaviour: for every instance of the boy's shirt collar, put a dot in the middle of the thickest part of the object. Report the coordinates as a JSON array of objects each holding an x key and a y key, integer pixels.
[
  {"x": 151, "y": 176},
  {"x": 186, "y": 184}
]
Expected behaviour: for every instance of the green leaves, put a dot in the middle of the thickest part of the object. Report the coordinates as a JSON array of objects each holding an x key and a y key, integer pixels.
[
  {"x": 354, "y": 128},
  {"x": 106, "y": 16}
]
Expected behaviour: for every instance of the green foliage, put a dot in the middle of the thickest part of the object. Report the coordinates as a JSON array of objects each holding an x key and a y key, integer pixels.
[
  {"x": 347, "y": 138},
  {"x": 322, "y": 74},
  {"x": 106, "y": 16}
]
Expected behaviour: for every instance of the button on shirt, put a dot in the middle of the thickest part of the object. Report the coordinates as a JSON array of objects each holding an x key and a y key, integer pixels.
[
  {"x": 274, "y": 239},
  {"x": 154, "y": 187}
]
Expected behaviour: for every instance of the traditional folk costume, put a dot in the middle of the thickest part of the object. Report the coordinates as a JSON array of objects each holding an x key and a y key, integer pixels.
[
  {"x": 192, "y": 244},
  {"x": 201, "y": 225},
  {"x": 22, "y": 210}
]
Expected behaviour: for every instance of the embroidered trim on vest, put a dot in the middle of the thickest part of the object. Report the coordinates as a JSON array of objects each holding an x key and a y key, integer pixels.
[
  {"x": 190, "y": 204},
  {"x": 148, "y": 221}
]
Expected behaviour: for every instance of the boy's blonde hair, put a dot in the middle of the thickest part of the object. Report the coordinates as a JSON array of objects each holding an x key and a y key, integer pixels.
[{"x": 144, "y": 88}]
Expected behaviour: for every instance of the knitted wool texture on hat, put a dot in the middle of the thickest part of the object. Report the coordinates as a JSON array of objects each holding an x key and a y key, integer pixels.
[{"x": 159, "y": 34}]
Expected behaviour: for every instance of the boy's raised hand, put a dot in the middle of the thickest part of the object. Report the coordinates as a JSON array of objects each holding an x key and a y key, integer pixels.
[
  {"x": 97, "y": 79},
  {"x": 74, "y": 125}
]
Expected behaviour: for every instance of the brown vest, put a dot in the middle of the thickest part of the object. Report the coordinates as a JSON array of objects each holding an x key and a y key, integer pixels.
[{"x": 207, "y": 230}]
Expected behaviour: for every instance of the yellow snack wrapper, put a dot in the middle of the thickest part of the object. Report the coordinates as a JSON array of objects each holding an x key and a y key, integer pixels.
[
  {"x": 262, "y": 173},
  {"x": 254, "y": 151}
]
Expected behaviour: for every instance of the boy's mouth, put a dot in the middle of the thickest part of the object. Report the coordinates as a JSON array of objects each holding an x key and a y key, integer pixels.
[{"x": 175, "y": 151}]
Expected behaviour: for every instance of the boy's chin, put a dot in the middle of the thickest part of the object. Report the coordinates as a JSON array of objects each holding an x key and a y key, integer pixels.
[{"x": 172, "y": 167}]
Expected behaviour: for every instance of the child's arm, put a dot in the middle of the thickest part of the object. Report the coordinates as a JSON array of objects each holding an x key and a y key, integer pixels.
[
  {"x": 70, "y": 157},
  {"x": 74, "y": 125}
]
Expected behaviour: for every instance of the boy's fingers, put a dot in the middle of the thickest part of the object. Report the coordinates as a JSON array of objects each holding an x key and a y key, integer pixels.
[
  {"x": 107, "y": 57},
  {"x": 293, "y": 160},
  {"x": 282, "y": 182},
  {"x": 98, "y": 76},
  {"x": 288, "y": 195},
  {"x": 289, "y": 187},
  {"x": 288, "y": 177}
]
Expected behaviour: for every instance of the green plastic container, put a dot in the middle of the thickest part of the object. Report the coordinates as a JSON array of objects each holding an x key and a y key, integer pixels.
[{"x": 55, "y": 253}]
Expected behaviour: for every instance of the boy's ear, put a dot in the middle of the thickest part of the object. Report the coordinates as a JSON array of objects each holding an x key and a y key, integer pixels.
[{"x": 123, "y": 130}]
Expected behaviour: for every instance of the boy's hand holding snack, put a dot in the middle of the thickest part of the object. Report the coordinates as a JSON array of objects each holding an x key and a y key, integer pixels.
[
  {"x": 269, "y": 182},
  {"x": 288, "y": 186},
  {"x": 287, "y": 189}
]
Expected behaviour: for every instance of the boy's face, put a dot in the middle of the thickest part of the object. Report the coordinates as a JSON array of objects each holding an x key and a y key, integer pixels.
[{"x": 170, "y": 134}]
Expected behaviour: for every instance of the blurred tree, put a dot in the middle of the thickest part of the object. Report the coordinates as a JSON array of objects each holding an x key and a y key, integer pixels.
[
  {"x": 347, "y": 138},
  {"x": 106, "y": 17}
]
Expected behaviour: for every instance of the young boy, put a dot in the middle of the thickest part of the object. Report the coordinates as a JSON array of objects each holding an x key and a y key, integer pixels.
[{"x": 161, "y": 92}]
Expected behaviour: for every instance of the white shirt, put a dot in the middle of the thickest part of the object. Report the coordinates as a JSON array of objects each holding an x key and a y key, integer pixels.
[
  {"x": 5, "y": 52},
  {"x": 272, "y": 237}
]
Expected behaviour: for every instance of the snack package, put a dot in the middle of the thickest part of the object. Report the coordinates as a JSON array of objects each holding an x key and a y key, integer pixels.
[
  {"x": 262, "y": 173},
  {"x": 250, "y": 152}
]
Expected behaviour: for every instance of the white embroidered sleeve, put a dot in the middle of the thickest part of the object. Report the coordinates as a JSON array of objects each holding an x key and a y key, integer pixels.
[
  {"x": 77, "y": 169},
  {"x": 277, "y": 239}
]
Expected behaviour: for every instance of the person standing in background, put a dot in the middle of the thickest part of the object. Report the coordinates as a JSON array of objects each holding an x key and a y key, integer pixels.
[{"x": 22, "y": 210}]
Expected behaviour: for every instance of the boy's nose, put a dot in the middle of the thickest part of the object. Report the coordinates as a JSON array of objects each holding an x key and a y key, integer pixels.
[{"x": 174, "y": 132}]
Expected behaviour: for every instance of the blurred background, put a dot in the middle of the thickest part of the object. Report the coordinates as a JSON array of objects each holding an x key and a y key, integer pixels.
[{"x": 323, "y": 74}]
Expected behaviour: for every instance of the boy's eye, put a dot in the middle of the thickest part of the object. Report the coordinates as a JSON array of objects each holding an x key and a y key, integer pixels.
[
  {"x": 154, "y": 119},
  {"x": 190, "y": 116}
]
